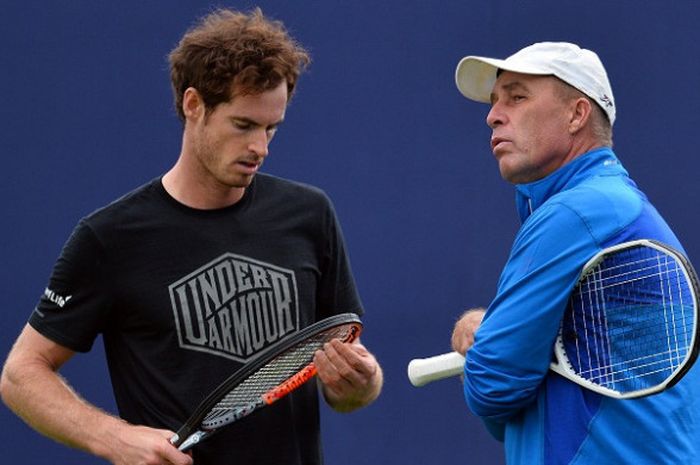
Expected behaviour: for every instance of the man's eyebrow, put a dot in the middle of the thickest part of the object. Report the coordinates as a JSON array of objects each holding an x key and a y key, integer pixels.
[
  {"x": 514, "y": 85},
  {"x": 245, "y": 119}
]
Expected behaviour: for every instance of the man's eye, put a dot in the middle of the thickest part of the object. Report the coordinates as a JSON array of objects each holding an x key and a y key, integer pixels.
[{"x": 518, "y": 98}]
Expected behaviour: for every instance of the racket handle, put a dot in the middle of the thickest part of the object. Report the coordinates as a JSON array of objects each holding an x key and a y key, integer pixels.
[{"x": 422, "y": 371}]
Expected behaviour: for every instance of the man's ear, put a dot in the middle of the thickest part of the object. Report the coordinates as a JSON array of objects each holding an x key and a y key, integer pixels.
[
  {"x": 580, "y": 115},
  {"x": 192, "y": 104}
]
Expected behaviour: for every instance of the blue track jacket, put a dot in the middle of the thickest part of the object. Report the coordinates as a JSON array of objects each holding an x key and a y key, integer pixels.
[{"x": 567, "y": 217}]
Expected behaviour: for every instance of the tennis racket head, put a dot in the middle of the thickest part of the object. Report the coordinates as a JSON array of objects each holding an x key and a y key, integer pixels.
[
  {"x": 274, "y": 373},
  {"x": 631, "y": 325}
]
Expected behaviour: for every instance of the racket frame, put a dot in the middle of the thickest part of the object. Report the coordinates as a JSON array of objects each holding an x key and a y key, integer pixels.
[
  {"x": 562, "y": 364},
  {"x": 190, "y": 433}
]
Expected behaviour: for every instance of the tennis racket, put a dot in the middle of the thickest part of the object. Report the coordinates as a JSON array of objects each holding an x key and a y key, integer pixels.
[
  {"x": 276, "y": 372},
  {"x": 630, "y": 328}
]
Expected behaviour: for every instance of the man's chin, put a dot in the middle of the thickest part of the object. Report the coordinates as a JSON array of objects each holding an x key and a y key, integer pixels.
[{"x": 240, "y": 182}]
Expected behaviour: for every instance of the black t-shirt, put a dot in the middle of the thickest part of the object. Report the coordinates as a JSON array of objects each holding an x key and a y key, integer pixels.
[{"x": 184, "y": 297}]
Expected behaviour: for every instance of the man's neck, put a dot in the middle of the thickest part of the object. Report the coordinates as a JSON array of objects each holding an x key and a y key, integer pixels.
[{"x": 190, "y": 190}]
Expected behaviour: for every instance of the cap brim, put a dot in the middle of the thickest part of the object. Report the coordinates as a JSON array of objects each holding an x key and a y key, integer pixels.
[{"x": 475, "y": 76}]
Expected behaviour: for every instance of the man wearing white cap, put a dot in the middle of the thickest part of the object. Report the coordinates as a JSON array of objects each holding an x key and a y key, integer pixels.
[{"x": 552, "y": 111}]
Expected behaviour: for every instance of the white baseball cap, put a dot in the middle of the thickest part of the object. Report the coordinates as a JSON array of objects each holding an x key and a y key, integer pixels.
[{"x": 576, "y": 66}]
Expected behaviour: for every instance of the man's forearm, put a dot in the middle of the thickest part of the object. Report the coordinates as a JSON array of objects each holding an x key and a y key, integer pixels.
[
  {"x": 32, "y": 387},
  {"x": 45, "y": 401}
]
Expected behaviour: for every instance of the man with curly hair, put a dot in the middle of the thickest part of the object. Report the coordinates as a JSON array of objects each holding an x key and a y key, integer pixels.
[{"x": 195, "y": 273}]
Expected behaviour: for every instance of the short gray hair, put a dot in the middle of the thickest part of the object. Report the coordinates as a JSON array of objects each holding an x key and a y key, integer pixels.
[{"x": 600, "y": 124}]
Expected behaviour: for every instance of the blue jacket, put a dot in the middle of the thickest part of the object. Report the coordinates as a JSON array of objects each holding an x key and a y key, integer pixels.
[{"x": 567, "y": 217}]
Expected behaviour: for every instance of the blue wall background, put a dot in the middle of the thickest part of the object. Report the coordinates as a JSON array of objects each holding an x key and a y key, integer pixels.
[{"x": 86, "y": 115}]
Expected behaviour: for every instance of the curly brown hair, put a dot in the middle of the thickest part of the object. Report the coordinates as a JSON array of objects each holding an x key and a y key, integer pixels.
[{"x": 228, "y": 50}]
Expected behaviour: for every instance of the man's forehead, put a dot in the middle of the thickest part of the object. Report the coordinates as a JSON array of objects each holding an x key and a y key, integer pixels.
[
  {"x": 511, "y": 79},
  {"x": 508, "y": 80}
]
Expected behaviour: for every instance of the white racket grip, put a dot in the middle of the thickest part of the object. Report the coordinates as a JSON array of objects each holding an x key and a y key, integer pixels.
[{"x": 422, "y": 371}]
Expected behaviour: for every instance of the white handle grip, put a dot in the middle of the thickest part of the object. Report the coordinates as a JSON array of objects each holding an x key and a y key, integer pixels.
[{"x": 422, "y": 371}]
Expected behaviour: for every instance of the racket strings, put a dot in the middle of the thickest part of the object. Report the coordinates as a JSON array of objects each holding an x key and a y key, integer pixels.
[
  {"x": 634, "y": 274},
  {"x": 645, "y": 364},
  {"x": 672, "y": 336},
  {"x": 247, "y": 395},
  {"x": 630, "y": 322}
]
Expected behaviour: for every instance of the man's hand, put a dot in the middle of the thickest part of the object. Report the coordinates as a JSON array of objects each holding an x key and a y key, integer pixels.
[
  {"x": 466, "y": 326},
  {"x": 141, "y": 445},
  {"x": 350, "y": 374}
]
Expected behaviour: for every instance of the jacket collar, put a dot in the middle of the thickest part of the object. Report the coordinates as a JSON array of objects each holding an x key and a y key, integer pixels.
[{"x": 529, "y": 197}]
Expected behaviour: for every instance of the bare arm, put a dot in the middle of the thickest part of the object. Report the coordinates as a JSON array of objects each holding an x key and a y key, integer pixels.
[
  {"x": 350, "y": 374},
  {"x": 465, "y": 328},
  {"x": 32, "y": 387}
]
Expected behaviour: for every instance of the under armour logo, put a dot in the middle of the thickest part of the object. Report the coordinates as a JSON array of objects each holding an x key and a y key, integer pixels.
[{"x": 606, "y": 100}]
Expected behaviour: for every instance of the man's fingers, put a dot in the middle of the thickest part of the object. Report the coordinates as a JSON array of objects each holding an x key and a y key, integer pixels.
[
  {"x": 340, "y": 364},
  {"x": 465, "y": 328}
]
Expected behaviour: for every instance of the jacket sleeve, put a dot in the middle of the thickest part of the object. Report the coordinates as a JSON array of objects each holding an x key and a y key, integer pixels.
[{"x": 513, "y": 346}]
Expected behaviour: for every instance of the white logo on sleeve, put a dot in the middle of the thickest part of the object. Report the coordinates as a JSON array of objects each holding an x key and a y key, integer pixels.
[{"x": 56, "y": 298}]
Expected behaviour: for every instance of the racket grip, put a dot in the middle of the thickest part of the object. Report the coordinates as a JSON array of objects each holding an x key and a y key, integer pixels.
[{"x": 422, "y": 371}]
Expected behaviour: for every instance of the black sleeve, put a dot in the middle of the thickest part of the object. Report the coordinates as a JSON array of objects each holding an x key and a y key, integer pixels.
[
  {"x": 74, "y": 306},
  {"x": 337, "y": 292}
]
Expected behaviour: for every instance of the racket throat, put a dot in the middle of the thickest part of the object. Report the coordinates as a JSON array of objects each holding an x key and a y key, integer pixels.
[{"x": 193, "y": 440}]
